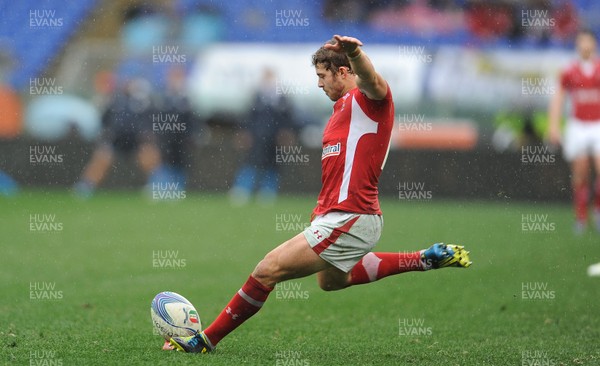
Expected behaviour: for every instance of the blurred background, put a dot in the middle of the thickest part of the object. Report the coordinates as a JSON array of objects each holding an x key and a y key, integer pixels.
[{"x": 220, "y": 96}]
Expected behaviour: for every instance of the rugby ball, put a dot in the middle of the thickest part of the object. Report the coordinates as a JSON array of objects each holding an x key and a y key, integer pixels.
[{"x": 174, "y": 316}]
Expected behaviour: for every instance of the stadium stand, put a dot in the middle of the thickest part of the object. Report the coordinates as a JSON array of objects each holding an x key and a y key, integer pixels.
[
  {"x": 25, "y": 25},
  {"x": 33, "y": 32}
]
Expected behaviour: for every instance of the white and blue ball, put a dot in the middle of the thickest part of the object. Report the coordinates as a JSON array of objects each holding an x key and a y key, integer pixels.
[{"x": 174, "y": 316}]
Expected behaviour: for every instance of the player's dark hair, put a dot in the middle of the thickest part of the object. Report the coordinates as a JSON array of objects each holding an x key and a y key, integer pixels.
[
  {"x": 587, "y": 32},
  {"x": 331, "y": 60}
]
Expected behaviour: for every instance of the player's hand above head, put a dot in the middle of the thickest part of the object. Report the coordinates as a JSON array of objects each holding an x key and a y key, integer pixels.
[{"x": 343, "y": 44}]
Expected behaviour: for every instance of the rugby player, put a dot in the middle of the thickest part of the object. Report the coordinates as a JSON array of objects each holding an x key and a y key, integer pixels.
[
  {"x": 347, "y": 220},
  {"x": 581, "y": 143}
]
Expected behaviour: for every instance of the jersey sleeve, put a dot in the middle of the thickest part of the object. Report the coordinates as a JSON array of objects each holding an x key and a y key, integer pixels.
[{"x": 374, "y": 107}]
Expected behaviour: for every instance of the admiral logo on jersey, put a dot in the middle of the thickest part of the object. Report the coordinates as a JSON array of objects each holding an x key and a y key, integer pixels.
[{"x": 331, "y": 150}]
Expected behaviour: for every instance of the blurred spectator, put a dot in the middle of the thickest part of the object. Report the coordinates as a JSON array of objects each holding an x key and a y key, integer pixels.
[
  {"x": 104, "y": 88},
  {"x": 10, "y": 127},
  {"x": 10, "y": 121},
  {"x": 144, "y": 27},
  {"x": 268, "y": 124},
  {"x": 351, "y": 11},
  {"x": 520, "y": 126},
  {"x": 531, "y": 22},
  {"x": 490, "y": 20},
  {"x": 567, "y": 21},
  {"x": 179, "y": 127},
  {"x": 8, "y": 186},
  {"x": 201, "y": 25},
  {"x": 420, "y": 17},
  {"x": 127, "y": 128},
  {"x": 534, "y": 22},
  {"x": 11, "y": 112}
]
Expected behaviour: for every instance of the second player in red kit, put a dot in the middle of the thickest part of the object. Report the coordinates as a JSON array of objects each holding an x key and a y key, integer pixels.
[{"x": 580, "y": 81}]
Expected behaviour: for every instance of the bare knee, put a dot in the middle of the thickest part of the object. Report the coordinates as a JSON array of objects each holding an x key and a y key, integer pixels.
[
  {"x": 581, "y": 172},
  {"x": 268, "y": 271},
  {"x": 580, "y": 178}
]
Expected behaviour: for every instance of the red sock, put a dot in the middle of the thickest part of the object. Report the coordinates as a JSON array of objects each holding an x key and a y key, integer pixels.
[
  {"x": 581, "y": 195},
  {"x": 375, "y": 266},
  {"x": 597, "y": 195},
  {"x": 247, "y": 302}
]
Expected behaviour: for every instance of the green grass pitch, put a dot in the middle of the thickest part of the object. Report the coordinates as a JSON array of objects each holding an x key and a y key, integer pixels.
[{"x": 77, "y": 285}]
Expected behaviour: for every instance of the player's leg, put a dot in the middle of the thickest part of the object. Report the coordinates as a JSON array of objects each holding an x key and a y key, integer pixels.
[
  {"x": 243, "y": 187},
  {"x": 377, "y": 265},
  {"x": 332, "y": 279},
  {"x": 98, "y": 166},
  {"x": 595, "y": 150},
  {"x": 345, "y": 241},
  {"x": 578, "y": 141},
  {"x": 95, "y": 170},
  {"x": 597, "y": 192},
  {"x": 292, "y": 259},
  {"x": 580, "y": 182},
  {"x": 148, "y": 157},
  {"x": 267, "y": 191},
  {"x": 348, "y": 248},
  {"x": 372, "y": 267}
]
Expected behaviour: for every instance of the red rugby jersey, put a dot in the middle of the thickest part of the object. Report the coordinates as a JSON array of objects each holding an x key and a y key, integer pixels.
[
  {"x": 356, "y": 142},
  {"x": 584, "y": 90}
]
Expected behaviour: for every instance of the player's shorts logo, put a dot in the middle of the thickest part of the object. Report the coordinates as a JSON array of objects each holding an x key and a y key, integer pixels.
[{"x": 331, "y": 150}]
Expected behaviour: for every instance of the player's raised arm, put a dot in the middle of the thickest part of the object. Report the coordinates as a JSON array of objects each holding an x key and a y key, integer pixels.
[{"x": 368, "y": 80}]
